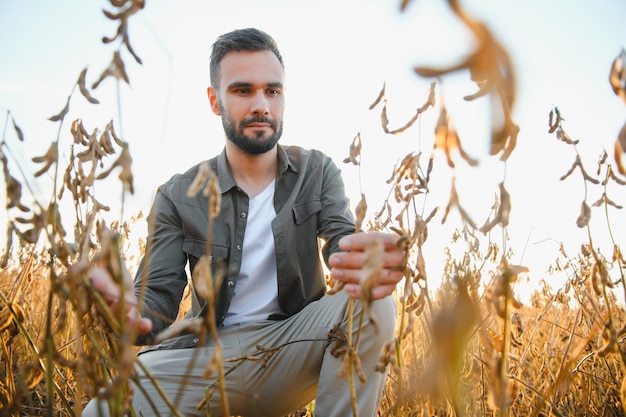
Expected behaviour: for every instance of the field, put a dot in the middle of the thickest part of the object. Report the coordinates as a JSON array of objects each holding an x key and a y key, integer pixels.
[{"x": 466, "y": 347}]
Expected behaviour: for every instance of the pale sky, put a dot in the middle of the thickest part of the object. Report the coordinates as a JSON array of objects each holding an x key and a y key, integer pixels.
[{"x": 337, "y": 54}]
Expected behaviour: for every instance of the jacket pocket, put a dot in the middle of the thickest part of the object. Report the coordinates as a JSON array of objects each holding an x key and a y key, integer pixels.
[
  {"x": 218, "y": 260},
  {"x": 304, "y": 211},
  {"x": 306, "y": 224},
  {"x": 197, "y": 248}
]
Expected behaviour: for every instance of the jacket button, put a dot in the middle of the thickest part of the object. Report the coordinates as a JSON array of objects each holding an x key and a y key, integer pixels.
[
  {"x": 231, "y": 283},
  {"x": 196, "y": 340},
  {"x": 243, "y": 214}
]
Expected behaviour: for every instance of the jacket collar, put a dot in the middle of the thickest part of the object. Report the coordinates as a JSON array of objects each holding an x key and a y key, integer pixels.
[{"x": 225, "y": 177}]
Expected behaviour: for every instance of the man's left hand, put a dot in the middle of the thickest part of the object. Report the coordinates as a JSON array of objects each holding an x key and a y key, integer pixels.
[{"x": 347, "y": 266}]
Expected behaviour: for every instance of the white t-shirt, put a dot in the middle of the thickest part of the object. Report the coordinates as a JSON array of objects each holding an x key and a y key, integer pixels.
[{"x": 256, "y": 292}]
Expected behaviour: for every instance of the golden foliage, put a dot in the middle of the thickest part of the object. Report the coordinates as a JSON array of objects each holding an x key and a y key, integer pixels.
[
  {"x": 617, "y": 79},
  {"x": 469, "y": 347},
  {"x": 491, "y": 69}
]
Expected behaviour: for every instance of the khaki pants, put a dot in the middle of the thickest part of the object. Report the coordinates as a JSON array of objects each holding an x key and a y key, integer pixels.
[{"x": 301, "y": 371}]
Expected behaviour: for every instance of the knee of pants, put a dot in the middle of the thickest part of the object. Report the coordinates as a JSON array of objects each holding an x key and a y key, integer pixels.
[
  {"x": 386, "y": 312},
  {"x": 383, "y": 313}
]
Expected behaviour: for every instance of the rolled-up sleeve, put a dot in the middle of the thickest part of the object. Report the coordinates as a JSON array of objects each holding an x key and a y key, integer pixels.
[
  {"x": 161, "y": 277},
  {"x": 336, "y": 219}
]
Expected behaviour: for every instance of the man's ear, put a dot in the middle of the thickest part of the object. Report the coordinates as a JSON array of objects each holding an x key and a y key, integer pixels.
[{"x": 213, "y": 100}]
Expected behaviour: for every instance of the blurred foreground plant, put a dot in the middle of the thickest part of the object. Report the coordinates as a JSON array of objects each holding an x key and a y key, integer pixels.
[{"x": 468, "y": 347}]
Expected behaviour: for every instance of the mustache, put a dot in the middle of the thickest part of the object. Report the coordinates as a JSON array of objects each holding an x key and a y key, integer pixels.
[{"x": 267, "y": 120}]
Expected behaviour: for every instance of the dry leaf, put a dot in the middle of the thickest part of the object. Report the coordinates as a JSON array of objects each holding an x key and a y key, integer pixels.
[
  {"x": 503, "y": 210},
  {"x": 123, "y": 16},
  {"x": 491, "y": 69},
  {"x": 504, "y": 140},
  {"x": 355, "y": 151},
  {"x": 495, "y": 340},
  {"x": 90, "y": 154},
  {"x": 83, "y": 88},
  {"x": 617, "y": 76},
  {"x": 407, "y": 169},
  {"x": 14, "y": 193},
  {"x": 386, "y": 209},
  {"x": 361, "y": 211},
  {"x": 105, "y": 144},
  {"x": 54, "y": 219},
  {"x": 381, "y": 94},
  {"x": 620, "y": 149},
  {"x": 116, "y": 69},
  {"x": 62, "y": 114},
  {"x": 213, "y": 363},
  {"x": 18, "y": 131},
  {"x": 584, "y": 216},
  {"x": 605, "y": 200},
  {"x": 554, "y": 120},
  {"x": 358, "y": 368},
  {"x": 79, "y": 133},
  {"x": 7, "y": 248},
  {"x": 372, "y": 268},
  {"x": 451, "y": 326},
  {"x": 203, "y": 279},
  {"x": 447, "y": 140},
  {"x": 601, "y": 161},
  {"x": 586, "y": 176},
  {"x": 404, "y": 4},
  {"x": 562, "y": 135},
  {"x": 622, "y": 394},
  {"x": 48, "y": 159},
  {"x": 212, "y": 190},
  {"x": 109, "y": 128},
  {"x": 430, "y": 102},
  {"x": 180, "y": 327},
  {"x": 609, "y": 338},
  {"x": 38, "y": 222},
  {"x": 126, "y": 176},
  {"x": 384, "y": 120},
  {"x": 200, "y": 180},
  {"x": 453, "y": 201}
]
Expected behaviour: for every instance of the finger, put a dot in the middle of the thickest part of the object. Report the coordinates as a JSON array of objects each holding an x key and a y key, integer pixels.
[
  {"x": 387, "y": 276},
  {"x": 145, "y": 326},
  {"x": 358, "y": 241},
  {"x": 141, "y": 324},
  {"x": 392, "y": 258},
  {"x": 377, "y": 293},
  {"x": 102, "y": 282},
  {"x": 382, "y": 291}
]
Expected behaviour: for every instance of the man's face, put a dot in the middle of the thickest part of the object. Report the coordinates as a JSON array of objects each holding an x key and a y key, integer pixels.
[{"x": 250, "y": 100}]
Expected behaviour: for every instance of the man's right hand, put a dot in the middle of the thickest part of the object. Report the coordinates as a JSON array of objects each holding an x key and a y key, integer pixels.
[{"x": 111, "y": 293}]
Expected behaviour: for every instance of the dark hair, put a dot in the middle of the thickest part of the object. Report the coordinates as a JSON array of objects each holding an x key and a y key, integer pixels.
[{"x": 249, "y": 39}]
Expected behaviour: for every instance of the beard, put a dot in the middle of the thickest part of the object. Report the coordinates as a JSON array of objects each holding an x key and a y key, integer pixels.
[{"x": 256, "y": 145}]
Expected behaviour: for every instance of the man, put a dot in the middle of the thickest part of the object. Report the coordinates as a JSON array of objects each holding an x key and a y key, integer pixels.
[{"x": 276, "y": 202}]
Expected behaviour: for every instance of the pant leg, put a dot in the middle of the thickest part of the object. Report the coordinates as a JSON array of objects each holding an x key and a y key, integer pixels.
[
  {"x": 333, "y": 396},
  {"x": 307, "y": 367},
  {"x": 301, "y": 370},
  {"x": 181, "y": 383}
]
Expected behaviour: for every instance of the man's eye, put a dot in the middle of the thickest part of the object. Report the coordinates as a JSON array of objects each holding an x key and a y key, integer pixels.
[
  {"x": 273, "y": 91},
  {"x": 242, "y": 91}
]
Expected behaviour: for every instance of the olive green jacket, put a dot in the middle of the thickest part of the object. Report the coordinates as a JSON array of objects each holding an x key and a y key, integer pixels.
[{"x": 310, "y": 203}]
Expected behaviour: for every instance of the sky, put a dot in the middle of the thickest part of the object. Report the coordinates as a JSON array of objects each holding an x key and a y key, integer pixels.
[{"x": 338, "y": 54}]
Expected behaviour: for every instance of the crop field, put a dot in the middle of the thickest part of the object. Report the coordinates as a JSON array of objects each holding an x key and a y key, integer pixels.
[{"x": 465, "y": 346}]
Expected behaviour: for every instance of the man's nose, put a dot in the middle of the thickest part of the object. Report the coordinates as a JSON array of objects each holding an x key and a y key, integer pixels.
[{"x": 260, "y": 105}]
